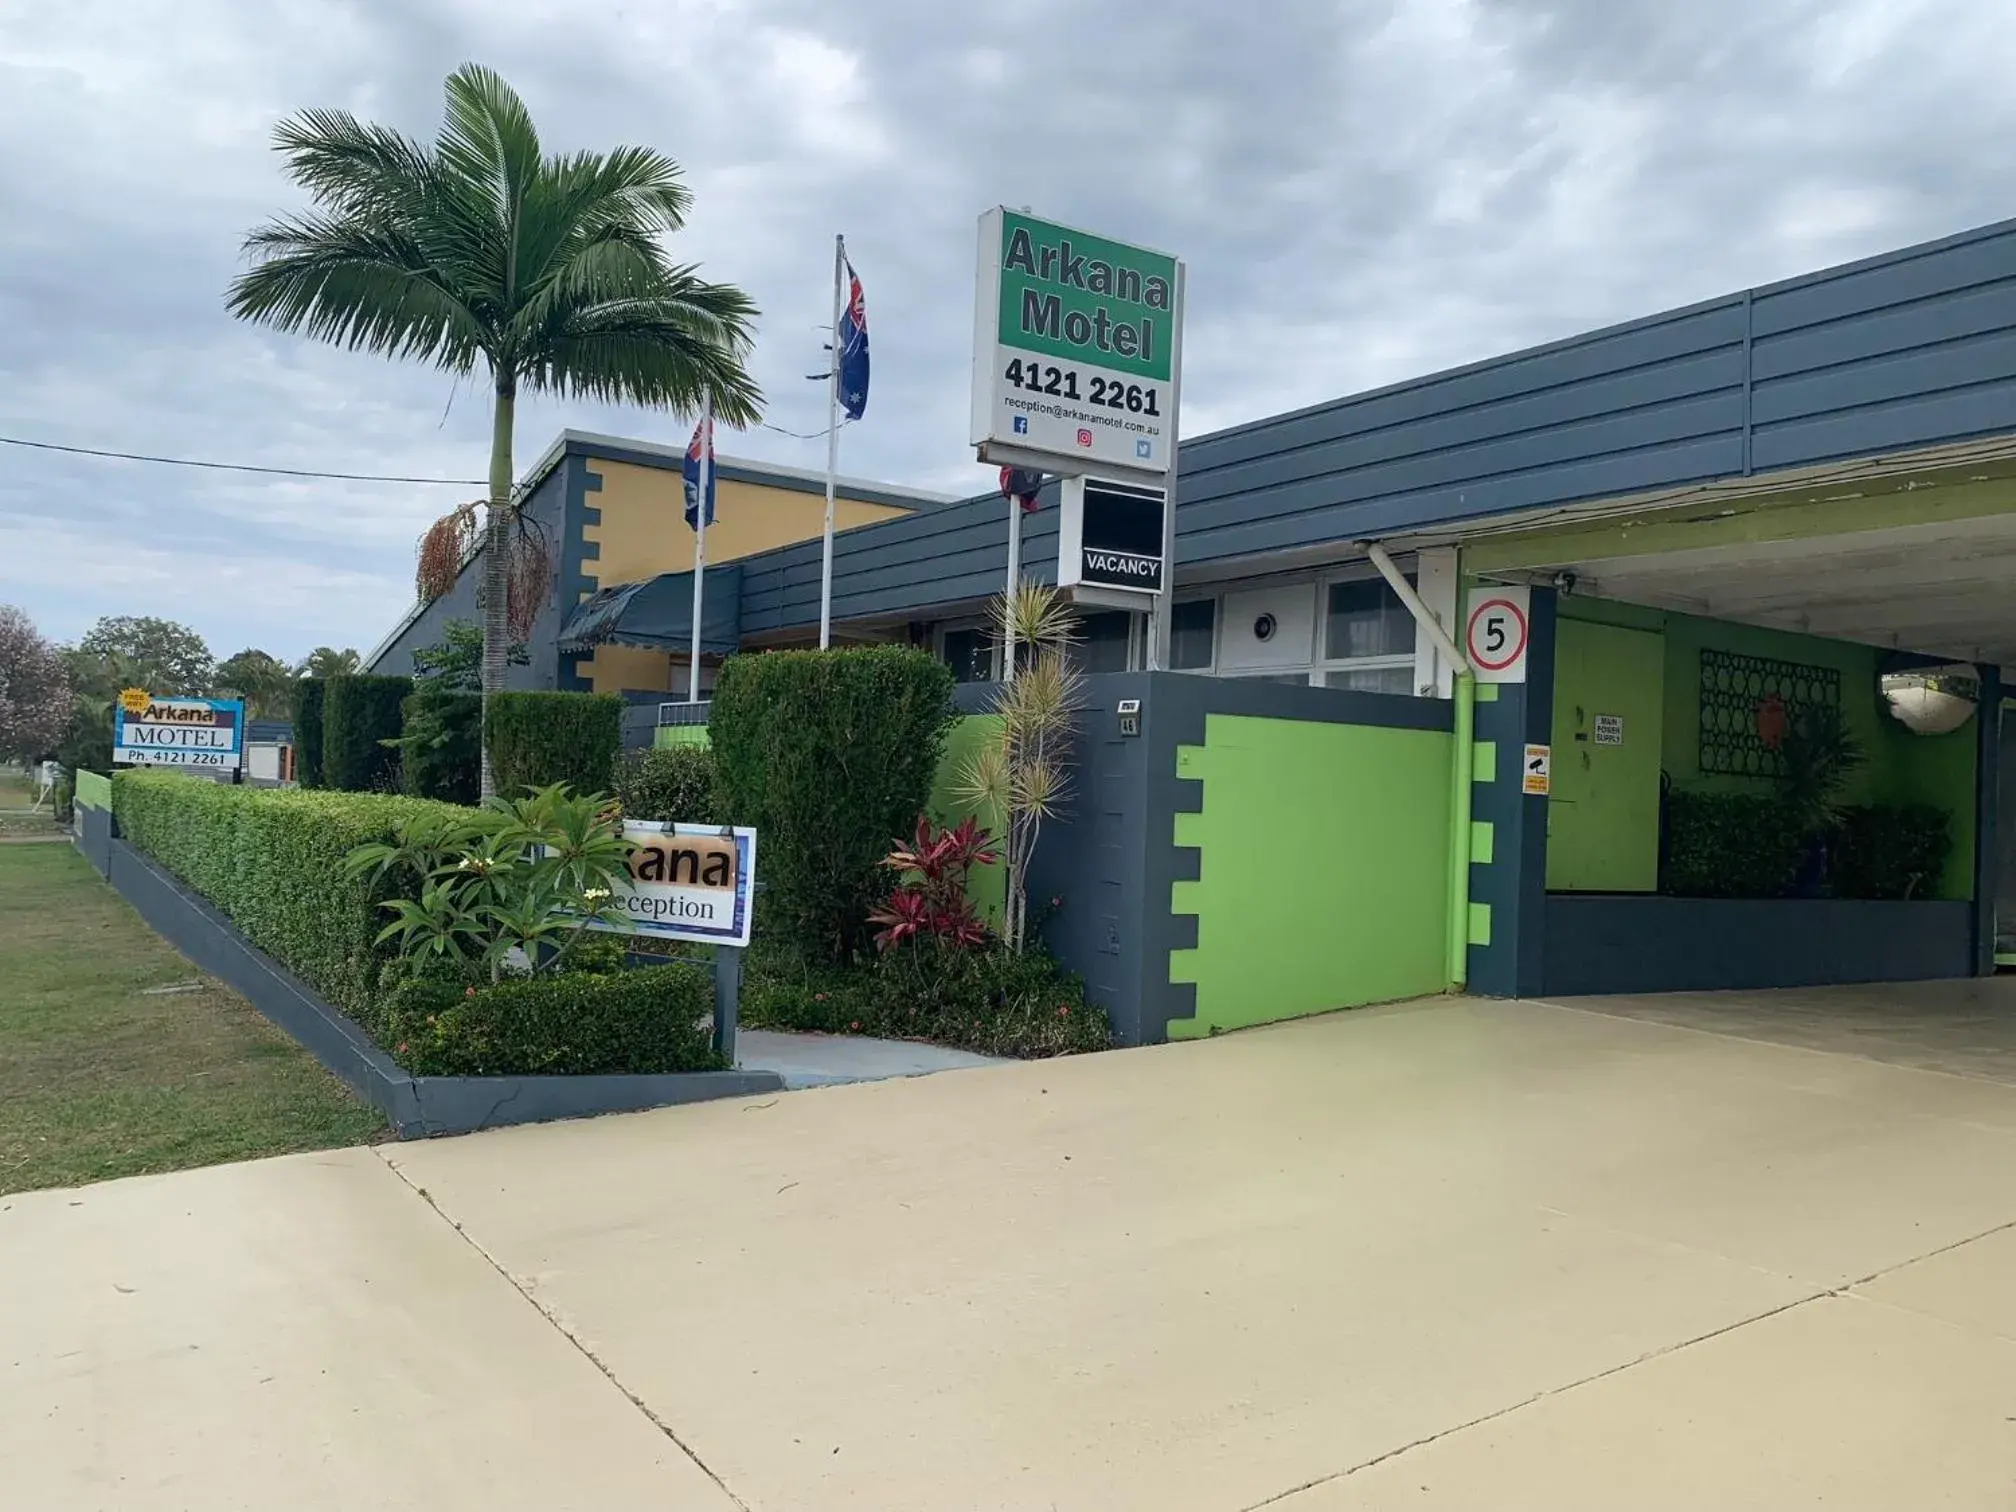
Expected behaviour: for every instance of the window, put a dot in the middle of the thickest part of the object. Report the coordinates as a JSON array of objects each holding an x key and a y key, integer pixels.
[
  {"x": 1367, "y": 619},
  {"x": 1103, "y": 642},
  {"x": 970, "y": 654},
  {"x": 1190, "y": 632},
  {"x": 1368, "y": 639}
]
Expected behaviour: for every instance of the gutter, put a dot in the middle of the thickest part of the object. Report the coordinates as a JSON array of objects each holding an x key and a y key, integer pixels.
[{"x": 1462, "y": 768}]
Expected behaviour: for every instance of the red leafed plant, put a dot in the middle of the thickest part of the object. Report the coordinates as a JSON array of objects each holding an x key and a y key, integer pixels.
[{"x": 931, "y": 899}]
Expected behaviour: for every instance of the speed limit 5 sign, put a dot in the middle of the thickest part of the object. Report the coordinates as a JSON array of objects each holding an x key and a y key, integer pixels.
[{"x": 1496, "y": 631}]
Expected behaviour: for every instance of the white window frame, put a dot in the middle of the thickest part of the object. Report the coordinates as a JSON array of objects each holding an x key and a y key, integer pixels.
[{"x": 1317, "y": 669}]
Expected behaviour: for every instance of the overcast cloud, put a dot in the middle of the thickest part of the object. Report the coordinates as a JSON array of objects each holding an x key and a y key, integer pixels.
[{"x": 1364, "y": 190}]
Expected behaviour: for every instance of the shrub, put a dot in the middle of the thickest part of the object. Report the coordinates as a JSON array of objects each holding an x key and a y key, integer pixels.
[
  {"x": 271, "y": 860},
  {"x": 672, "y": 784},
  {"x": 1730, "y": 845},
  {"x": 538, "y": 739},
  {"x": 930, "y": 897},
  {"x": 309, "y": 695},
  {"x": 830, "y": 754},
  {"x": 652, "y": 1020},
  {"x": 994, "y": 1001},
  {"x": 360, "y": 713},
  {"x": 1891, "y": 852},
  {"x": 441, "y": 744}
]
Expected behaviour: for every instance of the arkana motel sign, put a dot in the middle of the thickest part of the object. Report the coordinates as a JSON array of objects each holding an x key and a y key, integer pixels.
[
  {"x": 181, "y": 732},
  {"x": 1077, "y": 371},
  {"x": 1077, "y": 350}
]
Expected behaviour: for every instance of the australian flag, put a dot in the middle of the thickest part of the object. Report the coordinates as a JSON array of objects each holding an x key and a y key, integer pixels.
[
  {"x": 703, "y": 436},
  {"x": 853, "y": 355}
]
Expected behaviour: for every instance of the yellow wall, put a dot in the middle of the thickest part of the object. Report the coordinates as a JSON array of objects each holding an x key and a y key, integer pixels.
[{"x": 643, "y": 532}]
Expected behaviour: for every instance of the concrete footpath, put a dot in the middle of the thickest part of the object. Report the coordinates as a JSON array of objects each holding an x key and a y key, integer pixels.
[{"x": 1454, "y": 1255}]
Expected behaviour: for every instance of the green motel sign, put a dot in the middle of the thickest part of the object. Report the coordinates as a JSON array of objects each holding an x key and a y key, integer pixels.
[{"x": 1077, "y": 348}]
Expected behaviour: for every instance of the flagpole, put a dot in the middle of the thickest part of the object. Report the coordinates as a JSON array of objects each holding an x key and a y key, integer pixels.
[
  {"x": 832, "y": 452},
  {"x": 700, "y": 540}
]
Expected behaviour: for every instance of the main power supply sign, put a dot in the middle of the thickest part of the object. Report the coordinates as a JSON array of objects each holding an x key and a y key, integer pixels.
[{"x": 1077, "y": 349}]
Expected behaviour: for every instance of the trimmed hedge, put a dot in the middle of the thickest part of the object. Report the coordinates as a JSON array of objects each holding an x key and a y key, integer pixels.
[
  {"x": 1891, "y": 852},
  {"x": 670, "y": 785},
  {"x": 655, "y": 1019},
  {"x": 992, "y": 1001},
  {"x": 359, "y": 714},
  {"x": 309, "y": 695},
  {"x": 537, "y": 739},
  {"x": 440, "y": 749},
  {"x": 1730, "y": 845},
  {"x": 831, "y": 755},
  {"x": 271, "y": 860}
]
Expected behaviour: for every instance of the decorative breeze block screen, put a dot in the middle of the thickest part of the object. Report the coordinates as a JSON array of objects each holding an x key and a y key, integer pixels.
[{"x": 1747, "y": 705}]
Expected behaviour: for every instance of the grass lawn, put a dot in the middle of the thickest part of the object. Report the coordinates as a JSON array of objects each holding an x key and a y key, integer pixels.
[
  {"x": 100, "y": 1077},
  {"x": 17, "y": 793}
]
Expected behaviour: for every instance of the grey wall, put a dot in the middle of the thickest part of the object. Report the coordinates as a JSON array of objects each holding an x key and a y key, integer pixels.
[
  {"x": 1597, "y": 943},
  {"x": 1910, "y": 349}
]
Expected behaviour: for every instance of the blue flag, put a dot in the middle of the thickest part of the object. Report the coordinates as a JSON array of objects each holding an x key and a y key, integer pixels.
[
  {"x": 703, "y": 435},
  {"x": 853, "y": 354}
]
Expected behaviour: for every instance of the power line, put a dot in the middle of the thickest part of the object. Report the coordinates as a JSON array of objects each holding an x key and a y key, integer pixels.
[{"x": 245, "y": 467}]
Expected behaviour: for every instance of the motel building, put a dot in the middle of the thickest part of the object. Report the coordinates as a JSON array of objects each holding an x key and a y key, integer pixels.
[{"x": 1683, "y": 556}]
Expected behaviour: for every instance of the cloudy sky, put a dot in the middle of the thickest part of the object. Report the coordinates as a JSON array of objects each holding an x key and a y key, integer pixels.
[{"x": 1364, "y": 190}]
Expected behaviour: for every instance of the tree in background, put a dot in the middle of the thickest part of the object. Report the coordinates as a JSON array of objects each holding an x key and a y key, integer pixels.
[
  {"x": 441, "y": 739},
  {"x": 162, "y": 656},
  {"x": 35, "y": 700},
  {"x": 327, "y": 661},
  {"x": 479, "y": 251},
  {"x": 265, "y": 682}
]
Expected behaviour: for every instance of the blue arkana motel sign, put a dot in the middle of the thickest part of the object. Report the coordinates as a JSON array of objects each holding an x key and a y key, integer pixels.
[{"x": 178, "y": 732}]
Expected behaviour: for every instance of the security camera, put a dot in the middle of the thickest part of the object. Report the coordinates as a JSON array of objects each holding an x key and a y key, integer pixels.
[
  {"x": 1564, "y": 584},
  {"x": 1263, "y": 628}
]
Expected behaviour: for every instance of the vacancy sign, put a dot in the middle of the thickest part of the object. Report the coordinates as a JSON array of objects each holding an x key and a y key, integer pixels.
[{"x": 1496, "y": 633}]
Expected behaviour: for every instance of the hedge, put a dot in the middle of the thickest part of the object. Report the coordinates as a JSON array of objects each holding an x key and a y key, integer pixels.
[
  {"x": 309, "y": 695},
  {"x": 991, "y": 1001},
  {"x": 831, "y": 755},
  {"x": 671, "y": 784},
  {"x": 360, "y": 713},
  {"x": 271, "y": 860},
  {"x": 537, "y": 739},
  {"x": 1891, "y": 852},
  {"x": 655, "y": 1019},
  {"x": 440, "y": 749},
  {"x": 1730, "y": 845}
]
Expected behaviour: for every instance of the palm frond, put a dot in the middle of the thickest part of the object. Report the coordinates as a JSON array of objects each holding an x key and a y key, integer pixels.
[
  {"x": 665, "y": 347},
  {"x": 354, "y": 284},
  {"x": 352, "y": 165},
  {"x": 488, "y": 140}
]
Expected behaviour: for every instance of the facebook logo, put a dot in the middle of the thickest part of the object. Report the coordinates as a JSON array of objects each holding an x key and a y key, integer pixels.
[
  {"x": 1144, "y": 449},
  {"x": 1021, "y": 425}
]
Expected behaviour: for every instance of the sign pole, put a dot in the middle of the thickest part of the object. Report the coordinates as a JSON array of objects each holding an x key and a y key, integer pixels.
[
  {"x": 700, "y": 542},
  {"x": 832, "y": 450},
  {"x": 1014, "y": 575}
]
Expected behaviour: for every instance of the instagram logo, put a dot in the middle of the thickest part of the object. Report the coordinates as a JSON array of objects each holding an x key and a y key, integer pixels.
[{"x": 1084, "y": 438}]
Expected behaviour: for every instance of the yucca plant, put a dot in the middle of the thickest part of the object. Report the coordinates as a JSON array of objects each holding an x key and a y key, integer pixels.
[{"x": 1023, "y": 778}]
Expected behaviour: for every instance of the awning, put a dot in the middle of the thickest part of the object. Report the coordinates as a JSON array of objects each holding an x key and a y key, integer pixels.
[{"x": 657, "y": 614}]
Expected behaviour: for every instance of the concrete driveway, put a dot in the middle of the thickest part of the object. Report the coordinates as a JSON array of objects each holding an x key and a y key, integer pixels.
[{"x": 1449, "y": 1255}]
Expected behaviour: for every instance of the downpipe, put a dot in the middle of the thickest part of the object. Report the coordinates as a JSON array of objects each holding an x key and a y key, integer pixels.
[{"x": 1462, "y": 768}]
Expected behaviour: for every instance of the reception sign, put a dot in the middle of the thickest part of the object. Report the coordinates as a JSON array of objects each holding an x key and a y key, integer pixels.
[{"x": 688, "y": 882}]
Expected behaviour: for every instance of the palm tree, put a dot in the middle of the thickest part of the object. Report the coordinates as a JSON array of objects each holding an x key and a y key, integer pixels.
[
  {"x": 327, "y": 661},
  {"x": 545, "y": 271}
]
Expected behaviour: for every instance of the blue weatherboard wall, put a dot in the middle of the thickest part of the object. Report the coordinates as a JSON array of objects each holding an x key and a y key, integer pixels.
[{"x": 1914, "y": 348}]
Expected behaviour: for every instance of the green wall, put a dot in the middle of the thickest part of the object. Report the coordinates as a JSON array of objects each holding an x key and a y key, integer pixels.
[
  {"x": 988, "y": 885},
  {"x": 1902, "y": 767},
  {"x": 1324, "y": 873},
  {"x": 677, "y": 735},
  {"x": 93, "y": 791}
]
